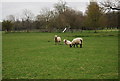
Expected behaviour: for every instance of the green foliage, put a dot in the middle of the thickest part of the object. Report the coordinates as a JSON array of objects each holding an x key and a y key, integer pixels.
[
  {"x": 93, "y": 15},
  {"x": 7, "y": 25},
  {"x": 34, "y": 56}
]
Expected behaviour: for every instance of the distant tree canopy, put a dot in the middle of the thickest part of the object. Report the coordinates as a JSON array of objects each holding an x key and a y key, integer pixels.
[
  {"x": 93, "y": 13},
  {"x": 109, "y": 5},
  {"x": 7, "y": 25},
  {"x": 114, "y": 16},
  {"x": 62, "y": 16}
]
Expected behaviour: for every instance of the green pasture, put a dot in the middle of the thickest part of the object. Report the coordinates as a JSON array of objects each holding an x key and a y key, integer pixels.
[{"x": 35, "y": 56}]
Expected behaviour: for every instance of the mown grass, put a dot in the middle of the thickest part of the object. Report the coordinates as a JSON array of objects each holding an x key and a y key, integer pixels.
[{"x": 35, "y": 56}]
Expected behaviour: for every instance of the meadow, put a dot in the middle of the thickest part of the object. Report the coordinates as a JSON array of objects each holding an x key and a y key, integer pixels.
[{"x": 35, "y": 56}]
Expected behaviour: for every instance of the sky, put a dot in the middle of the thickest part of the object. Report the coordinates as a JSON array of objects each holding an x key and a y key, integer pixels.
[{"x": 16, "y": 7}]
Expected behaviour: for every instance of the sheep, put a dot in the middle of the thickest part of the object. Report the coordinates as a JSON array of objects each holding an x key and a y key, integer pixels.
[
  {"x": 57, "y": 39},
  {"x": 67, "y": 42},
  {"x": 77, "y": 41}
]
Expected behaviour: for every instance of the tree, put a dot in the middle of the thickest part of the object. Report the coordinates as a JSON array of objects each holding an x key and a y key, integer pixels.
[
  {"x": 46, "y": 19},
  {"x": 93, "y": 15},
  {"x": 7, "y": 25},
  {"x": 103, "y": 21},
  {"x": 109, "y": 5},
  {"x": 67, "y": 17},
  {"x": 60, "y": 6},
  {"x": 112, "y": 5},
  {"x": 11, "y": 18},
  {"x": 74, "y": 18},
  {"x": 112, "y": 19},
  {"x": 18, "y": 25},
  {"x": 60, "y": 21},
  {"x": 28, "y": 16}
]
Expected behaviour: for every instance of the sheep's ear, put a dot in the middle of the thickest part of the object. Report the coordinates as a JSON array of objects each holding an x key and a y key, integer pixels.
[{"x": 55, "y": 35}]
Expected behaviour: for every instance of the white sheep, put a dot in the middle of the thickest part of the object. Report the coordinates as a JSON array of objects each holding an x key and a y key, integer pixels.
[
  {"x": 77, "y": 41},
  {"x": 67, "y": 42},
  {"x": 57, "y": 39}
]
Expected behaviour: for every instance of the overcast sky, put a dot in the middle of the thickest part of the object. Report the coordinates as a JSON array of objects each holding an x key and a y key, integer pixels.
[{"x": 15, "y": 7}]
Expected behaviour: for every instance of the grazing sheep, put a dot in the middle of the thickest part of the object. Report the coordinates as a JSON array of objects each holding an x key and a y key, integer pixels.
[
  {"x": 57, "y": 39},
  {"x": 67, "y": 42},
  {"x": 77, "y": 41}
]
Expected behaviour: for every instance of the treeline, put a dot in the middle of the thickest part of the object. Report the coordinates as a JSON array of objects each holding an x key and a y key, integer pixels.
[{"x": 63, "y": 17}]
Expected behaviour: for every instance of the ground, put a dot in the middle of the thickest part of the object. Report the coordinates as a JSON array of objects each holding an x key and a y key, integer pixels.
[{"x": 35, "y": 56}]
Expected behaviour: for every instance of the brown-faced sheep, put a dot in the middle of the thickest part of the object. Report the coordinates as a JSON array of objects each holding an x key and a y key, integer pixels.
[
  {"x": 67, "y": 42},
  {"x": 57, "y": 39}
]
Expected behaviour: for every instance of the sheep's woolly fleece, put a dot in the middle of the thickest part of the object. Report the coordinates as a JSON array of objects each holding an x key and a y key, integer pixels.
[
  {"x": 67, "y": 42},
  {"x": 77, "y": 40},
  {"x": 57, "y": 39}
]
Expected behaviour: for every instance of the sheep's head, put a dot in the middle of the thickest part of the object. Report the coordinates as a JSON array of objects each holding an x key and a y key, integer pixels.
[
  {"x": 55, "y": 38},
  {"x": 55, "y": 35},
  {"x": 65, "y": 41}
]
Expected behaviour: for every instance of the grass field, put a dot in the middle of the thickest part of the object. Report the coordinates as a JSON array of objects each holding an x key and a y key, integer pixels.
[{"x": 35, "y": 56}]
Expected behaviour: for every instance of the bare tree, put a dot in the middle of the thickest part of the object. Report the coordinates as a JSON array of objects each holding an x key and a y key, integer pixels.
[
  {"x": 60, "y": 6},
  {"x": 46, "y": 14},
  {"x": 46, "y": 18},
  {"x": 28, "y": 16},
  {"x": 11, "y": 18},
  {"x": 109, "y": 5}
]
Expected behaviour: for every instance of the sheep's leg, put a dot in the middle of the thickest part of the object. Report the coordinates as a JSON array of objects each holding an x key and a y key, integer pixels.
[
  {"x": 80, "y": 45},
  {"x": 74, "y": 45},
  {"x": 77, "y": 45},
  {"x": 59, "y": 43},
  {"x": 70, "y": 45}
]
